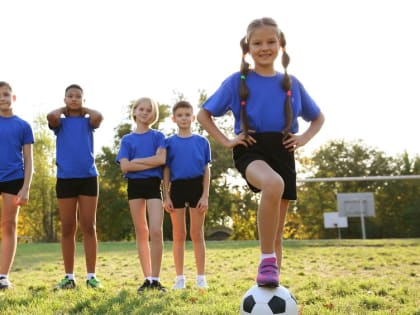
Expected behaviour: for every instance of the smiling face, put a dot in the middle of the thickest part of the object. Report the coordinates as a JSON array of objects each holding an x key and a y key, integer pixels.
[
  {"x": 144, "y": 112},
  {"x": 264, "y": 46},
  {"x": 6, "y": 99},
  {"x": 183, "y": 117}
]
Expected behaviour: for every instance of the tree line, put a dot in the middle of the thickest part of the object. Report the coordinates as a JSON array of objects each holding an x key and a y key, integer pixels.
[{"x": 231, "y": 203}]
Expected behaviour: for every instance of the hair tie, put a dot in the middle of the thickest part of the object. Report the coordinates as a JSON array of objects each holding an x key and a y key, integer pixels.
[
  {"x": 243, "y": 77},
  {"x": 289, "y": 93},
  {"x": 243, "y": 103}
]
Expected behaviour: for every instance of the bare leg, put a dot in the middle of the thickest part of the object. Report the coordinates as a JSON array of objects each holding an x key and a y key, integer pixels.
[
  {"x": 179, "y": 235},
  {"x": 68, "y": 216},
  {"x": 138, "y": 214},
  {"x": 197, "y": 238},
  {"x": 284, "y": 205},
  {"x": 262, "y": 176},
  {"x": 155, "y": 214},
  {"x": 87, "y": 214},
  {"x": 9, "y": 218}
]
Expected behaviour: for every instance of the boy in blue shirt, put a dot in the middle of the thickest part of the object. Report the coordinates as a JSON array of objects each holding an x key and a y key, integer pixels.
[
  {"x": 186, "y": 185},
  {"x": 77, "y": 181}
]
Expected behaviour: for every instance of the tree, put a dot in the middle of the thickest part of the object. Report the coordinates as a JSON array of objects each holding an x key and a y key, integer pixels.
[{"x": 338, "y": 158}]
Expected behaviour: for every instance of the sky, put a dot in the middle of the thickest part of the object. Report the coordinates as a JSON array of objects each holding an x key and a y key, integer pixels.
[{"x": 358, "y": 59}]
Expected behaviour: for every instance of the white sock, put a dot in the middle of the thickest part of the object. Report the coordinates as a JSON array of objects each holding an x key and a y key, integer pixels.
[
  {"x": 201, "y": 277},
  {"x": 90, "y": 275},
  {"x": 149, "y": 278},
  {"x": 180, "y": 277},
  {"x": 4, "y": 276},
  {"x": 71, "y": 276},
  {"x": 264, "y": 256},
  {"x": 155, "y": 279}
]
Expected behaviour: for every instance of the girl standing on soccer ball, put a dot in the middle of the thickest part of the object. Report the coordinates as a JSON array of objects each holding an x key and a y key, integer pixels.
[
  {"x": 142, "y": 155},
  {"x": 16, "y": 141},
  {"x": 265, "y": 104},
  {"x": 77, "y": 181}
]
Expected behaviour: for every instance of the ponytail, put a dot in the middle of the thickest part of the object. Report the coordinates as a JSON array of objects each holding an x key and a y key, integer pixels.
[
  {"x": 286, "y": 85},
  {"x": 243, "y": 89}
]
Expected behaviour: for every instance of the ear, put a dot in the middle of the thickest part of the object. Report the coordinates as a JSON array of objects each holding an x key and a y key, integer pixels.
[
  {"x": 173, "y": 118},
  {"x": 14, "y": 98},
  {"x": 193, "y": 118}
]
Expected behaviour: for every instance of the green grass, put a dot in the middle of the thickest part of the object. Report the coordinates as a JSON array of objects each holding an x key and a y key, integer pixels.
[{"x": 331, "y": 277}]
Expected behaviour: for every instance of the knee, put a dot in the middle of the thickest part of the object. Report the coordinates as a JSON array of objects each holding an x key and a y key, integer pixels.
[
  {"x": 89, "y": 229},
  {"x": 273, "y": 185},
  {"x": 67, "y": 230},
  {"x": 9, "y": 227},
  {"x": 156, "y": 234},
  {"x": 179, "y": 236},
  {"x": 197, "y": 234}
]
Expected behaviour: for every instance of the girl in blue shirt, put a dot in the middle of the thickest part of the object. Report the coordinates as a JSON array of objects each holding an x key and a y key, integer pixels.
[
  {"x": 141, "y": 156},
  {"x": 265, "y": 105},
  {"x": 16, "y": 164}
]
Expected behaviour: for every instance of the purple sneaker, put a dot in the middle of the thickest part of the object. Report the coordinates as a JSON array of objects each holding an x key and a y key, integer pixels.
[{"x": 268, "y": 273}]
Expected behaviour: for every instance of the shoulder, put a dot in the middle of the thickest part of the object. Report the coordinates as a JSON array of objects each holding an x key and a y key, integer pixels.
[
  {"x": 157, "y": 133},
  {"x": 22, "y": 122},
  {"x": 127, "y": 137},
  {"x": 231, "y": 80},
  {"x": 199, "y": 137}
]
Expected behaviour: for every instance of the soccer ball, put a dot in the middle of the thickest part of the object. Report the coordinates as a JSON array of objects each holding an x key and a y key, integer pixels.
[{"x": 261, "y": 301}]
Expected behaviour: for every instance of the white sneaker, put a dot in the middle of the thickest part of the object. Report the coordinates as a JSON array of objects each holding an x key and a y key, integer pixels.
[
  {"x": 179, "y": 284},
  {"x": 201, "y": 283},
  {"x": 5, "y": 283}
]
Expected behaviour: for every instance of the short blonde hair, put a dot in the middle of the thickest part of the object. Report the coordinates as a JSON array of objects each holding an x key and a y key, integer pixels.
[{"x": 155, "y": 109}]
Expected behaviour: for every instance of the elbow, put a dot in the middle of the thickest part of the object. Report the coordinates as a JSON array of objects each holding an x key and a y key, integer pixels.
[
  {"x": 202, "y": 115},
  {"x": 321, "y": 118},
  {"x": 124, "y": 167},
  {"x": 162, "y": 160}
]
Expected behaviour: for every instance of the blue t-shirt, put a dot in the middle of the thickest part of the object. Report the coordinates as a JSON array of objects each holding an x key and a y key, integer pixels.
[
  {"x": 14, "y": 134},
  {"x": 265, "y": 103},
  {"x": 74, "y": 148},
  {"x": 187, "y": 157},
  {"x": 142, "y": 145}
]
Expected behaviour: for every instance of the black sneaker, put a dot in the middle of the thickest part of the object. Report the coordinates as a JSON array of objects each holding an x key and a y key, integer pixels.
[
  {"x": 146, "y": 285},
  {"x": 158, "y": 286},
  {"x": 4, "y": 283},
  {"x": 66, "y": 283}
]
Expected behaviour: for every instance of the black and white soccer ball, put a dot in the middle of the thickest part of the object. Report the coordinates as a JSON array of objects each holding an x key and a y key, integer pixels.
[{"x": 261, "y": 301}]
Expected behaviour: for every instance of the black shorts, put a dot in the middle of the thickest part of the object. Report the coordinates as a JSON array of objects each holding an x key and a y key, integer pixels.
[
  {"x": 11, "y": 186},
  {"x": 269, "y": 148},
  {"x": 186, "y": 192},
  {"x": 144, "y": 188},
  {"x": 74, "y": 187}
]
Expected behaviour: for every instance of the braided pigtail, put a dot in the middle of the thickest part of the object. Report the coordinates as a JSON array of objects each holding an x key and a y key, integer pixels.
[
  {"x": 286, "y": 85},
  {"x": 243, "y": 89}
]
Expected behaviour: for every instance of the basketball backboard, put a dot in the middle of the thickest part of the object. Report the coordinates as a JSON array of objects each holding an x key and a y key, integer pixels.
[
  {"x": 356, "y": 204},
  {"x": 333, "y": 220}
]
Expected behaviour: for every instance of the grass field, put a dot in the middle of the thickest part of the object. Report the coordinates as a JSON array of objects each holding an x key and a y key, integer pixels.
[{"x": 340, "y": 277}]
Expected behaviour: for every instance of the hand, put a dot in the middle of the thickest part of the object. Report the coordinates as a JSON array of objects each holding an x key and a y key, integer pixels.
[
  {"x": 293, "y": 142},
  {"x": 243, "y": 139},
  {"x": 22, "y": 197},
  {"x": 168, "y": 205},
  {"x": 203, "y": 205}
]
